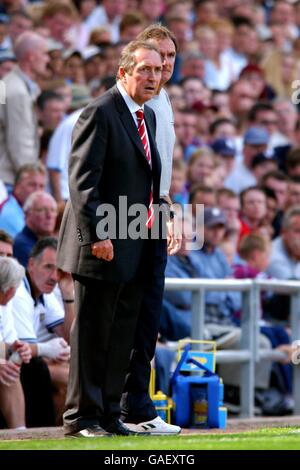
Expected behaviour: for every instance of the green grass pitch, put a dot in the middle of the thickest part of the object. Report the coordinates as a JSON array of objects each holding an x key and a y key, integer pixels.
[{"x": 264, "y": 439}]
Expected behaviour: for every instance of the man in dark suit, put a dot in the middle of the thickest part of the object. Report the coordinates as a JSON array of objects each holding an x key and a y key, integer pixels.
[
  {"x": 109, "y": 158},
  {"x": 138, "y": 410}
]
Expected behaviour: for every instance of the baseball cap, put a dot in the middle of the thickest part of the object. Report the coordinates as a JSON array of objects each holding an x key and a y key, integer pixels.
[
  {"x": 252, "y": 68},
  {"x": 7, "y": 54},
  {"x": 80, "y": 96},
  {"x": 53, "y": 45},
  {"x": 224, "y": 147},
  {"x": 4, "y": 19},
  {"x": 256, "y": 136},
  {"x": 214, "y": 216},
  {"x": 89, "y": 52},
  {"x": 70, "y": 53}
]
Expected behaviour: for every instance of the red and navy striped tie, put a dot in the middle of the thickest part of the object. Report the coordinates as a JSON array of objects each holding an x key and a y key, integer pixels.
[{"x": 143, "y": 136}]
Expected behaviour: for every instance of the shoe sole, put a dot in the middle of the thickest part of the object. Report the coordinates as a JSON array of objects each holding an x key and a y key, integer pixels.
[
  {"x": 162, "y": 433},
  {"x": 152, "y": 432}
]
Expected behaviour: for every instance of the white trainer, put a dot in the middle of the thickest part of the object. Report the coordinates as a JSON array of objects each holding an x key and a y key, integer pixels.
[{"x": 155, "y": 427}]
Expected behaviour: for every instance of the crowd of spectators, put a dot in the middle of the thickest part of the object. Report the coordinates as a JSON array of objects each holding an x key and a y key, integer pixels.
[{"x": 235, "y": 97}]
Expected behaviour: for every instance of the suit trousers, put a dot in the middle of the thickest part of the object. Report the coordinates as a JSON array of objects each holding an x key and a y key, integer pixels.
[
  {"x": 137, "y": 405},
  {"x": 101, "y": 342}
]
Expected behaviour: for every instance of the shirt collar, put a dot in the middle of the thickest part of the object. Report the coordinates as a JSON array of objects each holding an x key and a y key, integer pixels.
[
  {"x": 29, "y": 288},
  {"x": 33, "y": 87},
  {"x": 132, "y": 105}
]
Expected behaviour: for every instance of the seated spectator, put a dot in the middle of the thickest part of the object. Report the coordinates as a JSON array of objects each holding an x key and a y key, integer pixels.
[
  {"x": 225, "y": 151},
  {"x": 285, "y": 257},
  {"x": 12, "y": 351},
  {"x": 40, "y": 318},
  {"x": 293, "y": 162},
  {"x": 254, "y": 251},
  {"x": 293, "y": 197},
  {"x": 253, "y": 211},
  {"x": 255, "y": 76},
  {"x": 201, "y": 194},
  {"x": 6, "y": 244},
  {"x": 50, "y": 110},
  {"x": 229, "y": 203},
  {"x": 200, "y": 167},
  {"x": 60, "y": 145},
  {"x": 40, "y": 211},
  {"x": 263, "y": 115},
  {"x": 176, "y": 95},
  {"x": 131, "y": 25},
  {"x": 272, "y": 210},
  {"x": 29, "y": 178},
  {"x": 178, "y": 191},
  {"x": 255, "y": 141},
  {"x": 73, "y": 67},
  {"x": 261, "y": 165},
  {"x": 278, "y": 182},
  {"x": 285, "y": 261}
]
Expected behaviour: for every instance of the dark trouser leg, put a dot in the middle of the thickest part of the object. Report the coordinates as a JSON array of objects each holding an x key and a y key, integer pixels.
[
  {"x": 101, "y": 343},
  {"x": 37, "y": 387},
  {"x": 137, "y": 405}
]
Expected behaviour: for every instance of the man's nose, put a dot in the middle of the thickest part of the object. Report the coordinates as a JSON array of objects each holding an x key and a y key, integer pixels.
[{"x": 55, "y": 276}]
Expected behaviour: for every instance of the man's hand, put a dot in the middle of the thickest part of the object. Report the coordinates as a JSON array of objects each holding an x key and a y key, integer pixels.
[
  {"x": 56, "y": 348},
  {"x": 173, "y": 239},
  {"x": 9, "y": 373},
  {"x": 66, "y": 284},
  {"x": 103, "y": 250},
  {"x": 23, "y": 349}
]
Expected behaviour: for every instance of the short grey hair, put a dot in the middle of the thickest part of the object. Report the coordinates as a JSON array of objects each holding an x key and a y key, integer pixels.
[
  {"x": 288, "y": 215},
  {"x": 11, "y": 273},
  {"x": 36, "y": 196},
  {"x": 27, "y": 42},
  {"x": 128, "y": 54}
]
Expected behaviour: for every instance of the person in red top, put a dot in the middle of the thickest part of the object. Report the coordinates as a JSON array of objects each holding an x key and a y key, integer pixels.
[{"x": 253, "y": 211}]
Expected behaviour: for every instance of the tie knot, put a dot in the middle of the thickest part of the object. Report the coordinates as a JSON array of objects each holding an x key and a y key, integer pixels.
[{"x": 140, "y": 114}]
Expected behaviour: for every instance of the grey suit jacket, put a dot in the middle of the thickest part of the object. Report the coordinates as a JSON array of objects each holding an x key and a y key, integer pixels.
[
  {"x": 19, "y": 142},
  {"x": 107, "y": 161}
]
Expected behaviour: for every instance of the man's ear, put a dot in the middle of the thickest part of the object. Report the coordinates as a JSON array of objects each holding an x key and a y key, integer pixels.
[
  {"x": 122, "y": 74},
  {"x": 30, "y": 264}
]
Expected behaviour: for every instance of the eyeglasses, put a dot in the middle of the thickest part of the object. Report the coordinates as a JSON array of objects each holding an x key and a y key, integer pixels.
[{"x": 44, "y": 210}]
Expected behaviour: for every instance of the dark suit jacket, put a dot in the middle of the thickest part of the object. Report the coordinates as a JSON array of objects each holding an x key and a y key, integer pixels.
[{"x": 107, "y": 161}]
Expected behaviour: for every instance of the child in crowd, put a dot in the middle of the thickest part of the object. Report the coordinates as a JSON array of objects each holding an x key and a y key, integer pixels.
[{"x": 178, "y": 191}]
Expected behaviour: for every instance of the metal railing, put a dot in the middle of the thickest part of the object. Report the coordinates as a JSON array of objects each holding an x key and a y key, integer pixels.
[
  {"x": 291, "y": 288},
  {"x": 248, "y": 353}
]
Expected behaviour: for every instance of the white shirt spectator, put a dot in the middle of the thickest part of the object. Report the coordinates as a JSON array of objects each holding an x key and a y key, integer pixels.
[
  {"x": 99, "y": 18},
  {"x": 282, "y": 266},
  {"x": 236, "y": 60},
  {"x": 3, "y": 192},
  {"x": 240, "y": 178},
  {"x": 8, "y": 332},
  {"x": 218, "y": 78},
  {"x": 35, "y": 320},
  {"x": 59, "y": 150}
]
